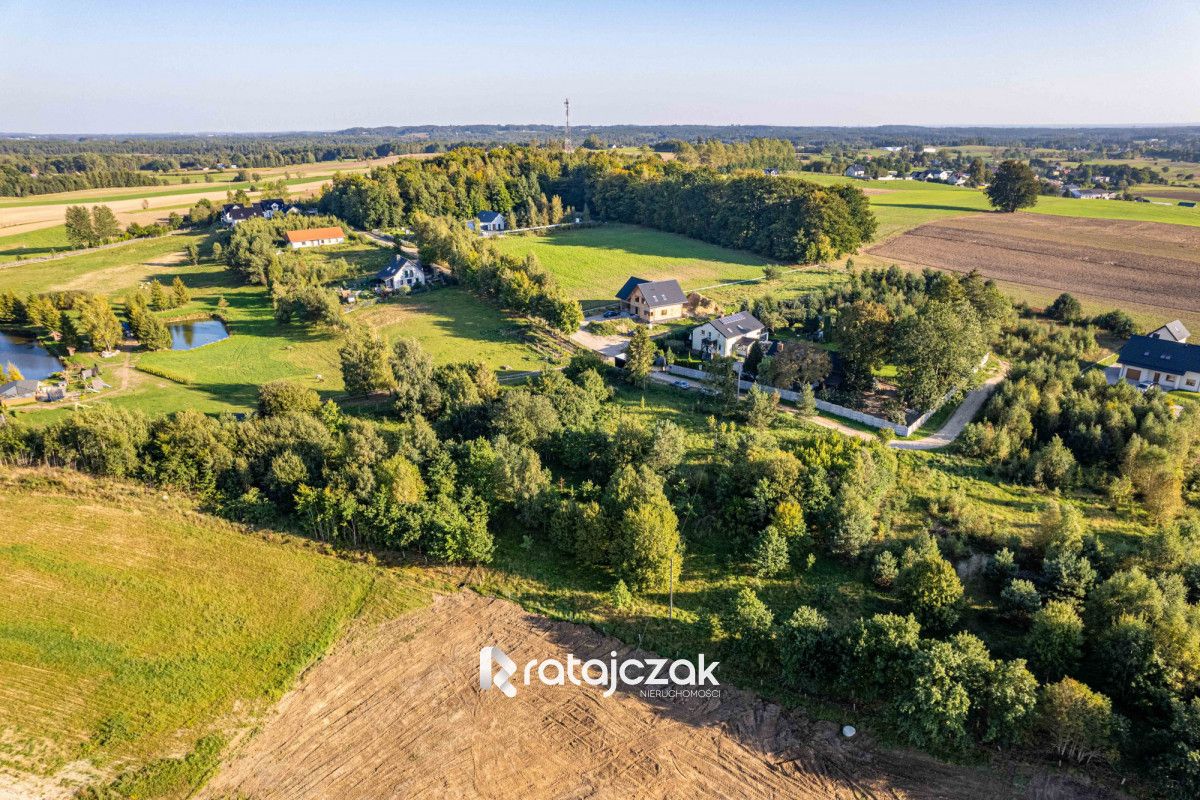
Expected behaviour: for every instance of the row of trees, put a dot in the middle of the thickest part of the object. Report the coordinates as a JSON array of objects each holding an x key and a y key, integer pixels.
[
  {"x": 50, "y": 313},
  {"x": 518, "y": 284},
  {"x": 780, "y": 217},
  {"x": 935, "y": 327}
]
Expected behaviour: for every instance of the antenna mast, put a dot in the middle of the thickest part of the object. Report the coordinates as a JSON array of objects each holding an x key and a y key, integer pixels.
[{"x": 567, "y": 127}]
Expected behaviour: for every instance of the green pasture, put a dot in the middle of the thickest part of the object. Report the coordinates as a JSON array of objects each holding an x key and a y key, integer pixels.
[
  {"x": 450, "y": 323},
  {"x": 34, "y": 244},
  {"x": 129, "y": 627},
  {"x": 591, "y": 264}
]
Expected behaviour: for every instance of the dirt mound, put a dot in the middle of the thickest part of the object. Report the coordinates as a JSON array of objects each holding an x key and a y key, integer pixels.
[
  {"x": 1142, "y": 262},
  {"x": 397, "y": 712}
]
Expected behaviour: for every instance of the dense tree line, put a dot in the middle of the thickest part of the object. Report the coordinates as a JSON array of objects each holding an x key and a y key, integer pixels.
[
  {"x": 1052, "y": 425},
  {"x": 518, "y": 284},
  {"x": 779, "y": 217},
  {"x": 1105, "y": 660},
  {"x": 935, "y": 327},
  {"x": 76, "y": 316}
]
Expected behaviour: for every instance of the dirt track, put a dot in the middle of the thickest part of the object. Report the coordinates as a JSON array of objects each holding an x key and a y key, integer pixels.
[
  {"x": 396, "y": 712},
  {"x": 1140, "y": 262}
]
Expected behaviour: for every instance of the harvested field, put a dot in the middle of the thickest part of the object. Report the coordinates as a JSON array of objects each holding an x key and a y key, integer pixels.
[
  {"x": 1172, "y": 193},
  {"x": 396, "y": 711},
  {"x": 24, "y": 219},
  {"x": 1146, "y": 263}
]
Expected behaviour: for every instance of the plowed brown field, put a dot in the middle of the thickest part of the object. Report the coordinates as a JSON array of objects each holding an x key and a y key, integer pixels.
[
  {"x": 1147, "y": 263},
  {"x": 396, "y": 712}
]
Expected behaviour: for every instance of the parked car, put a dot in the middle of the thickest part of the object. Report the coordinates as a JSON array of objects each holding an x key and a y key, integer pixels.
[
  {"x": 611, "y": 314},
  {"x": 681, "y": 384}
]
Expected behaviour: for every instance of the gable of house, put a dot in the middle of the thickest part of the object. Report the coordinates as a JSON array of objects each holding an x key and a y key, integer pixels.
[
  {"x": 1174, "y": 331},
  {"x": 657, "y": 294}
]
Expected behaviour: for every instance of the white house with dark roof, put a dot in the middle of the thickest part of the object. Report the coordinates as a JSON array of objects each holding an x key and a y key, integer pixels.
[
  {"x": 652, "y": 301},
  {"x": 1173, "y": 331},
  {"x": 1080, "y": 193},
  {"x": 727, "y": 335},
  {"x": 491, "y": 221},
  {"x": 1154, "y": 361},
  {"x": 855, "y": 171},
  {"x": 400, "y": 273}
]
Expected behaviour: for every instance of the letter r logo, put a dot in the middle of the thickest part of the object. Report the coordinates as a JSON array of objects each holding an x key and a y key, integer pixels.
[{"x": 506, "y": 667}]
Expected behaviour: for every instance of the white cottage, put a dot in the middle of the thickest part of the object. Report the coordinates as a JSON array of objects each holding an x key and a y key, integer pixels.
[{"x": 727, "y": 335}]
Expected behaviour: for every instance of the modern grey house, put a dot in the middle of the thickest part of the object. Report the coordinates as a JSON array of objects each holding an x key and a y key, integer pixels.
[{"x": 1152, "y": 361}]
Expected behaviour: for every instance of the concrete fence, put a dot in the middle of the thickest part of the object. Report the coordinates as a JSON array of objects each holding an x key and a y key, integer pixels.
[{"x": 822, "y": 405}]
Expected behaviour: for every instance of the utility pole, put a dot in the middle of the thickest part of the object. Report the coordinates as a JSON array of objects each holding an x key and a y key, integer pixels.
[{"x": 567, "y": 127}]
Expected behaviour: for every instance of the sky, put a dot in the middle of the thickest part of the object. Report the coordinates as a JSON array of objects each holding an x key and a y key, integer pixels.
[{"x": 120, "y": 67}]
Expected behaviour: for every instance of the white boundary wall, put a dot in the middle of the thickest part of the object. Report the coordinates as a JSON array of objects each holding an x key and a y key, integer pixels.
[{"x": 827, "y": 407}]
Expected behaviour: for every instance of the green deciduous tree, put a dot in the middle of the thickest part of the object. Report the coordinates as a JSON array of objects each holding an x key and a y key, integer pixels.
[
  {"x": 80, "y": 231},
  {"x": 1013, "y": 186},
  {"x": 1055, "y": 640},
  {"x": 363, "y": 357}
]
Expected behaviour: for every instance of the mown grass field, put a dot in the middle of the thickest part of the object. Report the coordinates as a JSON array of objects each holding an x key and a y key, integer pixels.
[
  {"x": 109, "y": 271},
  {"x": 130, "y": 627},
  {"x": 903, "y": 205},
  {"x": 591, "y": 264},
  {"x": 34, "y": 244}
]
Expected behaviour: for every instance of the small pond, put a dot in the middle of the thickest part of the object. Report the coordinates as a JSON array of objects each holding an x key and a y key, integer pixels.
[
  {"x": 190, "y": 335},
  {"x": 33, "y": 360}
]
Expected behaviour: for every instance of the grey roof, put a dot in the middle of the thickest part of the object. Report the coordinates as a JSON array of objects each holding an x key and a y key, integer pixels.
[
  {"x": 274, "y": 201},
  {"x": 1176, "y": 329},
  {"x": 739, "y": 324},
  {"x": 1160, "y": 354},
  {"x": 488, "y": 216},
  {"x": 244, "y": 213},
  {"x": 656, "y": 293},
  {"x": 16, "y": 389},
  {"x": 626, "y": 290},
  {"x": 398, "y": 263}
]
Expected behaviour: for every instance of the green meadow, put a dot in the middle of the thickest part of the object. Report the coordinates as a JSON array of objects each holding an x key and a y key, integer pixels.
[
  {"x": 130, "y": 626},
  {"x": 224, "y": 376},
  {"x": 42, "y": 242},
  {"x": 591, "y": 264},
  {"x": 92, "y": 196}
]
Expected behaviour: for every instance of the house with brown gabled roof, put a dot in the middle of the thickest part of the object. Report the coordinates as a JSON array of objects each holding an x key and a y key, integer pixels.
[{"x": 652, "y": 301}]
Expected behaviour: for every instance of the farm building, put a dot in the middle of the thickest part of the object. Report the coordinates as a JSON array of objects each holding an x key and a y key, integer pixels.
[
  {"x": 1151, "y": 361},
  {"x": 727, "y": 335},
  {"x": 652, "y": 301},
  {"x": 315, "y": 237},
  {"x": 400, "y": 273},
  {"x": 1080, "y": 193},
  {"x": 855, "y": 171},
  {"x": 491, "y": 221},
  {"x": 1173, "y": 331}
]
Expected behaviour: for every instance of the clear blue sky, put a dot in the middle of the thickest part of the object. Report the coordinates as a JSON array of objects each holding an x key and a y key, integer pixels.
[{"x": 223, "y": 66}]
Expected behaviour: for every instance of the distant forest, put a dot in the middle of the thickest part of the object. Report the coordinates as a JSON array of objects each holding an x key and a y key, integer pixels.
[{"x": 37, "y": 164}]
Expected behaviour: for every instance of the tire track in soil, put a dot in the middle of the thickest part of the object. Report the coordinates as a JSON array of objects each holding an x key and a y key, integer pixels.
[{"x": 395, "y": 712}]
